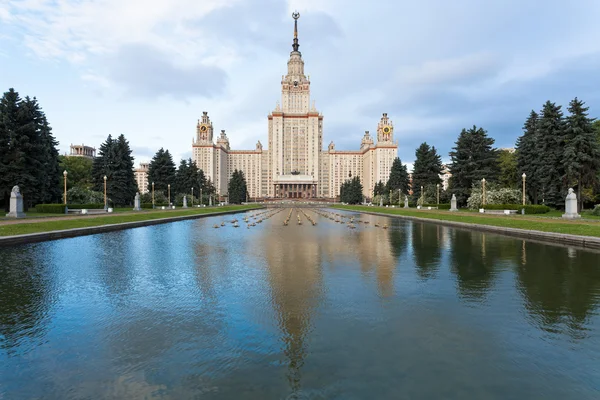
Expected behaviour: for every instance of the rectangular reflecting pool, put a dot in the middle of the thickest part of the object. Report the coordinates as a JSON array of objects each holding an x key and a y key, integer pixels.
[{"x": 354, "y": 307}]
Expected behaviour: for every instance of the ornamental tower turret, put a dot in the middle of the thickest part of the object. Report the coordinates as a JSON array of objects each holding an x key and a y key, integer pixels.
[
  {"x": 204, "y": 130},
  {"x": 385, "y": 130},
  {"x": 295, "y": 86}
]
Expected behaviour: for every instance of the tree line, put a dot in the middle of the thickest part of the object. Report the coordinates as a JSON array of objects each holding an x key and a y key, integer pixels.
[
  {"x": 28, "y": 152},
  {"x": 555, "y": 152}
]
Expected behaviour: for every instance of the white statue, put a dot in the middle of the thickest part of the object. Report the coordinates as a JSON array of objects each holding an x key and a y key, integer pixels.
[{"x": 16, "y": 203}]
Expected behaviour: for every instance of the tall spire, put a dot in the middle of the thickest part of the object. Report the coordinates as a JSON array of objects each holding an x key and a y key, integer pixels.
[{"x": 295, "y": 15}]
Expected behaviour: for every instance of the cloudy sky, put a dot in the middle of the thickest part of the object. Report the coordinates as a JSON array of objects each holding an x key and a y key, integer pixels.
[{"x": 149, "y": 68}]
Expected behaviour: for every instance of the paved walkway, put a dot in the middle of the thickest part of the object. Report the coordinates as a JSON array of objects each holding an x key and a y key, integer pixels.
[{"x": 80, "y": 216}]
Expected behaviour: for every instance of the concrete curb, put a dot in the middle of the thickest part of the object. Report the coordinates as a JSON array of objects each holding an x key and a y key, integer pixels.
[
  {"x": 589, "y": 242},
  {"x": 74, "y": 232}
]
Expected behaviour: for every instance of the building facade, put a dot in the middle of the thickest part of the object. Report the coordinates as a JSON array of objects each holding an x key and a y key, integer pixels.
[
  {"x": 295, "y": 165},
  {"x": 81, "y": 150},
  {"x": 141, "y": 177}
]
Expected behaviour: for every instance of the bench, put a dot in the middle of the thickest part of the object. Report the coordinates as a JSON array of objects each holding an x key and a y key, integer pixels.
[
  {"x": 498, "y": 212},
  {"x": 87, "y": 211}
]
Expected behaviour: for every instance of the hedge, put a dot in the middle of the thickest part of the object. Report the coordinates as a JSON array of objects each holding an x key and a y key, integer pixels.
[
  {"x": 92, "y": 206},
  {"x": 529, "y": 208},
  {"x": 157, "y": 205},
  {"x": 50, "y": 208}
]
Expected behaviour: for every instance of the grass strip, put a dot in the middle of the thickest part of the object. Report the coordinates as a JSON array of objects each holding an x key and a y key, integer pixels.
[
  {"x": 84, "y": 222},
  {"x": 571, "y": 227}
]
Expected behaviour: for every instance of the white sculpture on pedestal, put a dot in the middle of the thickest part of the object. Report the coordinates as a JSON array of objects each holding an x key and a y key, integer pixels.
[
  {"x": 185, "y": 202},
  {"x": 571, "y": 206},
  {"x": 137, "y": 203},
  {"x": 453, "y": 203},
  {"x": 16, "y": 204},
  {"x": 405, "y": 201}
]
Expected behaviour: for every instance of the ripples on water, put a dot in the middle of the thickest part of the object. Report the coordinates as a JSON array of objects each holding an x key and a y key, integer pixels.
[{"x": 183, "y": 310}]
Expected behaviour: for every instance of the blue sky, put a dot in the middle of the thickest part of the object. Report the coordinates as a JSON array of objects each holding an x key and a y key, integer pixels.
[{"x": 149, "y": 68}]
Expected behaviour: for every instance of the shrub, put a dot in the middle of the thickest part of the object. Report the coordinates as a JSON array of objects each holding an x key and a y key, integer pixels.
[
  {"x": 493, "y": 195},
  {"x": 596, "y": 210},
  {"x": 90, "y": 206},
  {"x": 50, "y": 208},
  {"x": 78, "y": 196}
]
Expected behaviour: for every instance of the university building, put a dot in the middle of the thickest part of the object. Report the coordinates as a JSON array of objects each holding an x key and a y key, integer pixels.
[{"x": 294, "y": 165}]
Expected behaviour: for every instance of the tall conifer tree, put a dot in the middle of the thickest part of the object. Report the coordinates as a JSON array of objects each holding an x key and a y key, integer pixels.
[
  {"x": 398, "y": 177},
  {"x": 550, "y": 145},
  {"x": 528, "y": 158},
  {"x": 581, "y": 157},
  {"x": 162, "y": 171},
  {"x": 473, "y": 158},
  {"x": 426, "y": 170}
]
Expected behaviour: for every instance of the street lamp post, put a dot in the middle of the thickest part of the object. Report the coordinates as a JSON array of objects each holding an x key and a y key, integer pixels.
[
  {"x": 390, "y": 197},
  {"x": 398, "y": 197},
  {"x": 65, "y": 196},
  {"x": 438, "y": 194},
  {"x": 192, "y": 197},
  {"x": 524, "y": 176},
  {"x": 105, "y": 203},
  {"x": 422, "y": 197},
  {"x": 169, "y": 194},
  {"x": 483, "y": 188},
  {"x": 201, "y": 200},
  {"x": 152, "y": 194}
]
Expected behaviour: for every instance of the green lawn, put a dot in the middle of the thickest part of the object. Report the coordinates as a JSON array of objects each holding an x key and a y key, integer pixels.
[
  {"x": 530, "y": 222},
  {"x": 87, "y": 221}
]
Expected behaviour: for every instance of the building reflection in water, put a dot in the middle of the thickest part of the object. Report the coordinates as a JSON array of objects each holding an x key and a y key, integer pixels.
[{"x": 295, "y": 278}]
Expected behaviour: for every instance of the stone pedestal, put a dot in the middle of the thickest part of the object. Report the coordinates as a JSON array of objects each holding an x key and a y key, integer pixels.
[
  {"x": 405, "y": 201},
  {"x": 185, "y": 202},
  {"x": 453, "y": 203},
  {"x": 381, "y": 201},
  {"x": 571, "y": 206},
  {"x": 16, "y": 204},
  {"x": 137, "y": 205}
]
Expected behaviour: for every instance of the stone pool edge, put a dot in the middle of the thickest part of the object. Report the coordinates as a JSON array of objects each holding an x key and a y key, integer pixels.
[
  {"x": 588, "y": 242},
  {"x": 91, "y": 230}
]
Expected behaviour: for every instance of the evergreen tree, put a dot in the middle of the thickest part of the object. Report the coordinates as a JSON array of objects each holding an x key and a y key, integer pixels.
[
  {"x": 123, "y": 186},
  {"x": 426, "y": 170},
  {"x": 550, "y": 146},
  {"x": 473, "y": 158},
  {"x": 28, "y": 153},
  {"x": 51, "y": 163},
  {"x": 379, "y": 189},
  {"x": 188, "y": 176},
  {"x": 237, "y": 188},
  {"x": 161, "y": 171},
  {"x": 398, "y": 177},
  {"x": 114, "y": 160},
  {"x": 528, "y": 158},
  {"x": 581, "y": 157},
  {"x": 351, "y": 191},
  {"x": 596, "y": 125},
  {"x": 181, "y": 179}
]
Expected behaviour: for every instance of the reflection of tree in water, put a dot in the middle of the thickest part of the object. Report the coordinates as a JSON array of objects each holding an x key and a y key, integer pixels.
[
  {"x": 475, "y": 262},
  {"x": 398, "y": 238},
  {"x": 426, "y": 245},
  {"x": 561, "y": 287},
  {"x": 25, "y": 291}
]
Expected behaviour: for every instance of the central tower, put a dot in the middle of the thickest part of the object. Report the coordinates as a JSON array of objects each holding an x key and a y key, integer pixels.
[{"x": 295, "y": 132}]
